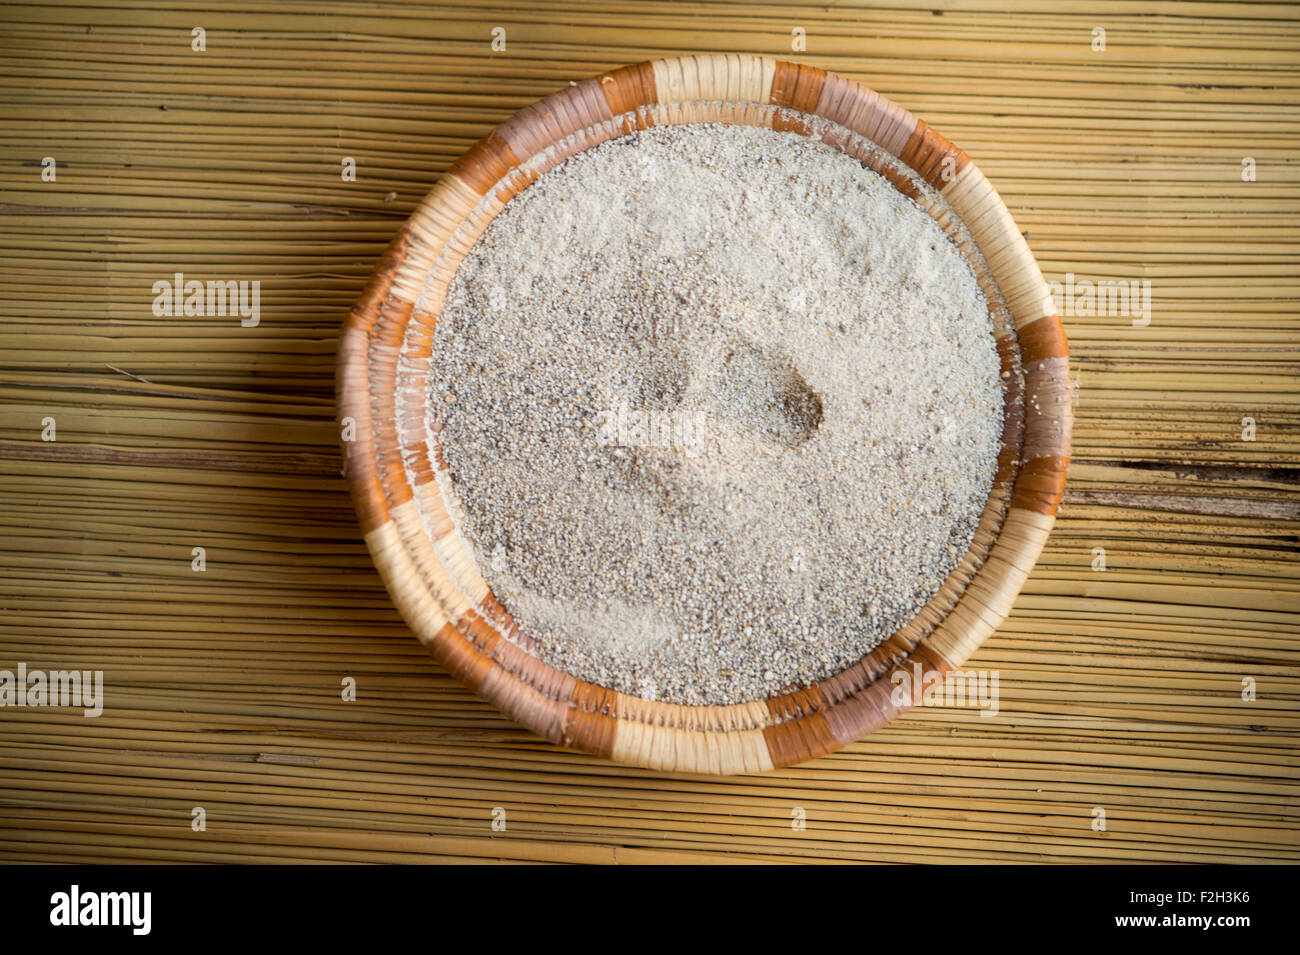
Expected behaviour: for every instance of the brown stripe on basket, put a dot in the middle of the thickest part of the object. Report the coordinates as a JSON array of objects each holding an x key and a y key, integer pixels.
[
  {"x": 784, "y": 121},
  {"x": 385, "y": 342},
  {"x": 866, "y": 112},
  {"x": 519, "y": 664},
  {"x": 496, "y": 614},
  {"x": 420, "y": 325},
  {"x": 1041, "y": 484},
  {"x": 460, "y": 658},
  {"x": 352, "y": 388},
  {"x": 546, "y": 680},
  {"x": 1004, "y": 478},
  {"x": 628, "y": 87},
  {"x": 797, "y": 86},
  {"x": 486, "y": 163},
  {"x": 1048, "y": 415},
  {"x": 588, "y": 724},
  {"x": 848, "y": 682},
  {"x": 930, "y": 154},
  {"x": 796, "y": 704},
  {"x": 534, "y": 128},
  {"x": 487, "y": 639},
  {"x": 1010, "y": 348},
  {"x": 1013, "y": 435},
  {"x": 381, "y": 280},
  {"x": 863, "y": 713},
  {"x": 417, "y": 441},
  {"x": 541, "y": 711},
  {"x": 1011, "y": 359},
  {"x": 1043, "y": 338},
  {"x": 797, "y": 741}
]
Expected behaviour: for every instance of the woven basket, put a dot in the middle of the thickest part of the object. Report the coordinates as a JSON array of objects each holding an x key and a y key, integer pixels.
[{"x": 391, "y": 459}]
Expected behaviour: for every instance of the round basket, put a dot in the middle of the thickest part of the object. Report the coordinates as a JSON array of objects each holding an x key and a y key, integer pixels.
[{"x": 407, "y": 513}]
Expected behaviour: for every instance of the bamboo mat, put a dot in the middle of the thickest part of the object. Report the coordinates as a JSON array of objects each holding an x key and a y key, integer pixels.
[{"x": 1121, "y": 689}]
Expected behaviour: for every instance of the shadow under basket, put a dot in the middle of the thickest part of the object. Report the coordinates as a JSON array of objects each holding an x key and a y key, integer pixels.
[{"x": 393, "y": 459}]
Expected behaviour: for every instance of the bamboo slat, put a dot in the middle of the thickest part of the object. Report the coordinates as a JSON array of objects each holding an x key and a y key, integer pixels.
[{"x": 1120, "y": 689}]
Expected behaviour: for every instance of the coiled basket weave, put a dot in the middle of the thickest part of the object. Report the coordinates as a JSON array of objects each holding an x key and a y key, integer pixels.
[{"x": 407, "y": 517}]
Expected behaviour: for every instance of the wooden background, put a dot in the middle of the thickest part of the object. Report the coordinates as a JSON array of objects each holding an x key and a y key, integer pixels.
[{"x": 1120, "y": 689}]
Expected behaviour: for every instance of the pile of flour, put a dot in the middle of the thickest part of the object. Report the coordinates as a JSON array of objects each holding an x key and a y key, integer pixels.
[{"x": 722, "y": 409}]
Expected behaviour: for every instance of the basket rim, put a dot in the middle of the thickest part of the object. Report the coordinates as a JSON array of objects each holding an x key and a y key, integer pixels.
[{"x": 463, "y": 631}]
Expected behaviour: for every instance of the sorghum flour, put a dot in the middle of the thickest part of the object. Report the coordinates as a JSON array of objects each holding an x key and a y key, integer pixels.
[{"x": 721, "y": 408}]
